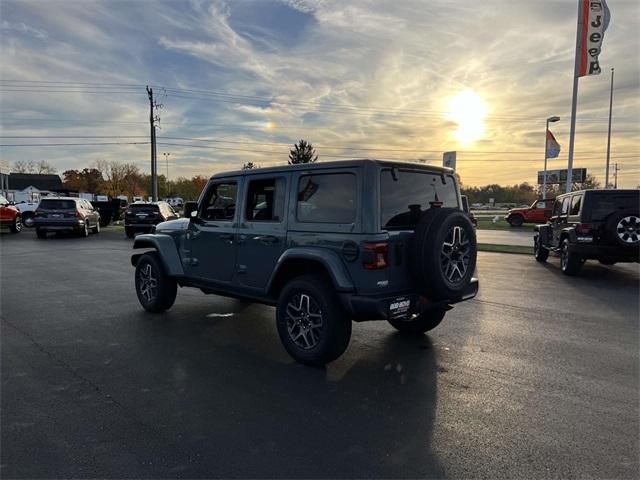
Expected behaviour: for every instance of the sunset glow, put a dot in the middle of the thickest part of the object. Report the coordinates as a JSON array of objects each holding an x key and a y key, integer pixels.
[{"x": 468, "y": 110}]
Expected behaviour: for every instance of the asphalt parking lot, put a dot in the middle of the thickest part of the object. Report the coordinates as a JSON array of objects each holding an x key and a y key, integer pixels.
[{"x": 538, "y": 377}]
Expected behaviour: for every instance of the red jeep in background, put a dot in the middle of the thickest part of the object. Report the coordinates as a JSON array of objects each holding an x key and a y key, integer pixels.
[
  {"x": 9, "y": 216},
  {"x": 538, "y": 213}
]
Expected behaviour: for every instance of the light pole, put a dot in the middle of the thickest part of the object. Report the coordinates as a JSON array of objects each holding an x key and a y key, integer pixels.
[{"x": 546, "y": 144}]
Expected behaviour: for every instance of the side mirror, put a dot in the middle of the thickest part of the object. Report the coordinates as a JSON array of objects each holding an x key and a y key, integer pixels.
[{"x": 190, "y": 209}]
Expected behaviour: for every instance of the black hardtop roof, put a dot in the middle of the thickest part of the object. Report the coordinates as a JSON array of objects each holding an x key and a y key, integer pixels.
[
  {"x": 335, "y": 164},
  {"x": 602, "y": 191}
]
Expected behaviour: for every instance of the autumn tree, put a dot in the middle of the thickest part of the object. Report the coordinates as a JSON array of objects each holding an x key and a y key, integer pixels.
[
  {"x": 250, "y": 166},
  {"x": 85, "y": 180},
  {"x": 302, "y": 152},
  {"x": 41, "y": 167}
]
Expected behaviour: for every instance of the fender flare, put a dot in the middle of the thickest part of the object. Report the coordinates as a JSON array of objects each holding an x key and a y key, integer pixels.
[
  {"x": 329, "y": 259},
  {"x": 543, "y": 234},
  {"x": 570, "y": 233},
  {"x": 166, "y": 248}
]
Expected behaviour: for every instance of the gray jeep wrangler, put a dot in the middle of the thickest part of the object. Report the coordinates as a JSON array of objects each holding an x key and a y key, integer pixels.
[{"x": 325, "y": 243}]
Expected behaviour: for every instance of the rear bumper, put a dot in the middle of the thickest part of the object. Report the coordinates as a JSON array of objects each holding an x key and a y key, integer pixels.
[
  {"x": 608, "y": 252},
  {"x": 58, "y": 225},
  {"x": 362, "y": 308}
]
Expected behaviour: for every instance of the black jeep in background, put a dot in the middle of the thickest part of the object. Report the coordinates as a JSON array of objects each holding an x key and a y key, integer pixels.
[
  {"x": 143, "y": 217},
  {"x": 601, "y": 225}
]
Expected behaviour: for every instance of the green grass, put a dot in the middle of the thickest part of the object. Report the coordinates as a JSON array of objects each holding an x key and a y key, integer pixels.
[
  {"x": 486, "y": 223},
  {"x": 517, "y": 249}
]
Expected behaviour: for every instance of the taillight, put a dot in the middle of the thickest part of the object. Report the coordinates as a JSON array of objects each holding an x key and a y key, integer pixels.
[
  {"x": 78, "y": 214},
  {"x": 584, "y": 228},
  {"x": 375, "y": 256}
]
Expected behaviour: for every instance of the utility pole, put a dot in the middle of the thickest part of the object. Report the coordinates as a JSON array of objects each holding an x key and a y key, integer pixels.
[
  {"x": 615, "y": 176},
  {"x": 154, "y": 160},
  {"x": 166, "y": 159},
  {"x": 606, "y": 174}
]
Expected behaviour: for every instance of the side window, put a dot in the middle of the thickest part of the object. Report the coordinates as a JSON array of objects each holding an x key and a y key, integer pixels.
[
  {"x": 265, "y": 200},
  {"x": 576, "y": 203},
  {"x": 220, "y": 202},
  {"x": 327, "y": 198},
  {"x": 565, "y": 205},
  {"x": 540, "y": 204},
  {"x": 556, "y": 207}
]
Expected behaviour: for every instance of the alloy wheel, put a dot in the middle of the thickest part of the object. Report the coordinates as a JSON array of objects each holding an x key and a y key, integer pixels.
[
  {"x": 304, "y": 321},
  {"x": 454, "y": 255},
  {"x": 148, "y": 283},
  {"x": 18, "y": 224},
  {"x": 628, "y": 229}
]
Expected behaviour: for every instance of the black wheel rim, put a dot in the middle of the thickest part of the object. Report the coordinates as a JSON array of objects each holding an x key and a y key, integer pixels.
[
  {"x": 148, "y": 283},
  {"x": 305, "y": 322},
  {"x": 455, "y": 254},
  {"x": 563, "y": 256},
  {"x": 628, "y": 229}
]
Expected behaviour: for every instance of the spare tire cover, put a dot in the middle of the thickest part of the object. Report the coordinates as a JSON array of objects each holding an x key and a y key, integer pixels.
[{"x": 443, "y": 253}]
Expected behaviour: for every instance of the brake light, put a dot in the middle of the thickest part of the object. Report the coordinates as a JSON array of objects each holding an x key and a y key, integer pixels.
[
  {"x": 584, "y": 228},
  {"x": 375, "y": 256}
]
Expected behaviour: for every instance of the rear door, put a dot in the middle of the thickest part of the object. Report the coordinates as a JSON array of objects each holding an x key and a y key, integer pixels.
[
  {"x": 559, "y": 217},
  {"x": 211, "y": 241},
  {"x": 263, "y": 228}
]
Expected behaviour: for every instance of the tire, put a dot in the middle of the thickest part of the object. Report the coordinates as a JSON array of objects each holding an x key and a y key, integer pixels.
[
  {"x": 423, "y": 323},
  {"x": 623, "y": 228},
  {"x": 443, "y": 253},
  {"x": 17, "y": 225},
  {"x": 96, "y": 229},
  {"x": 156, "y": 291},
  {"x": 570, "y": 263},
  {"x": 27, "y": 219},
  {"x": 311, "y": 322},
  {"x": 129, "y": 232},
  {"x": 84, "y": 232},
  {"x": 607, "y": 262},
  {"x": 41, "y": 233},
  {"x": 516, "y": 220},
  {"x": 539, "y": 252}
]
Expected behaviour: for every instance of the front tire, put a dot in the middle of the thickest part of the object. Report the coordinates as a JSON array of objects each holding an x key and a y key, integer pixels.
[
  {"x": 17, "y": 225},
  {"x": 156, "y": 291},
  {"x": 516, "y": 220},
  {"x": 539, "y": 252},
  {"x": 570, "y": 263},
  {"x": 311, "y": 322},
  {"x": 424, "y": 322},
  {"x": 27, "y": 219}
]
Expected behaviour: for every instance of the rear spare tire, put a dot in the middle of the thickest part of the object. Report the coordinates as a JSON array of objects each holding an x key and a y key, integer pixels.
[
  {"x": 623, "y": 228},
  {"x": 443, "y": 253}
]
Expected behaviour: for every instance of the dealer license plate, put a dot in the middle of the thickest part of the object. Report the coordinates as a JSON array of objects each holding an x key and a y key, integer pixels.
[{"x": 399, "y": 307}]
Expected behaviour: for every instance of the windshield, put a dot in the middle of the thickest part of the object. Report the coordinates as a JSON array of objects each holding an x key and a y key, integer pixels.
[{"x": 405, "y": 194}]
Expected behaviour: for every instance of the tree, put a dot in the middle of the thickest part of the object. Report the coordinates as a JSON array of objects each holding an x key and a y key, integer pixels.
[
  {"x": 302, "y": 152},
  {"x": 250, "y": 166},
  {"x": 41, "y": 167},
  {"x": 87, "y": 180}
]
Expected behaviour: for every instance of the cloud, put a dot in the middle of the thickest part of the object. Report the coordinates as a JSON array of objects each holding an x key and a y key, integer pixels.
[{"x": 24, "y": 28}]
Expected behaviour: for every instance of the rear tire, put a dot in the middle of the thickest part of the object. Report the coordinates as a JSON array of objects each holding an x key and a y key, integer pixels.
[
  {"x": 17, "y": 225},
  {"x": 41, "y": 233},
  {"x": 623, "y": 228},
  {"x": 96, "y": 229},
  {"x": 570, "y": 263},
  {"x": 423, "y": 323},
  {"x": 539, "y": 252},
  {"x": 156, "y": 291},
  {"x": 311, "y": 322},
  {"x": 84, "y": 231},
  {"x": 516, "y": 220}
]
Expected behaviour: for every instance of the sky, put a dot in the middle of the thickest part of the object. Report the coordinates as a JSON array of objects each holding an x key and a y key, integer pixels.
[{"x": 242, "y": 80}]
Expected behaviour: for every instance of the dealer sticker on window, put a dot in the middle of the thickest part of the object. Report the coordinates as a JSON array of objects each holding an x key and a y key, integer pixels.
[{"x": 399, "y": 307}]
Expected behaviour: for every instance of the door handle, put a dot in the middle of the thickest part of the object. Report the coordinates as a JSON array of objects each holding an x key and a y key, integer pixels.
[{"x": 267, "y": 239}]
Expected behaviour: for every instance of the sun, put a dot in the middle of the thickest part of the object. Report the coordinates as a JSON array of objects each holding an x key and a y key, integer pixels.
[{"x": 468, "y": 110}]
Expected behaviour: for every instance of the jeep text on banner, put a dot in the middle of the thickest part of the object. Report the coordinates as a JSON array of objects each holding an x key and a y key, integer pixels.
[{"x": 595, "y": 20}]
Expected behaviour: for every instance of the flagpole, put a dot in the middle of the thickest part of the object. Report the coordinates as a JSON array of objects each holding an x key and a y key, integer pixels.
[
  {"x": 546, "y": 144},
  {"x": 606, "y": 175},
  {"x": 574, "y": 101}
]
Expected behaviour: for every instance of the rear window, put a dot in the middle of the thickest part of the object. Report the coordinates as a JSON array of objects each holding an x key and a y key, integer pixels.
[
  {"x": 57, "y": 204},
  {"x": 408, "y": 193},
  {"x": 144, "y": 207},
  {"x": 327, "y": 198},
  {"x": 604, "y": 204}
]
